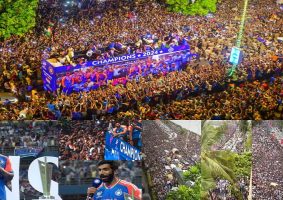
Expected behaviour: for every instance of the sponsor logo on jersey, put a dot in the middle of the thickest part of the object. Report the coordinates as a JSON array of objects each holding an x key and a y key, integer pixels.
[
  {"x": 118, "y": 192},
  {"x": 99, "y": 194}
]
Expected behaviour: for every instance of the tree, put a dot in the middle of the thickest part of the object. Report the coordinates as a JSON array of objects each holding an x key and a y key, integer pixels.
[
  {"x": 199, "y": 7},
  {"x": 188, "y": 192},
  {"x": 17, "y": 17},
  {"x": 243, "y": 164},
  {"x": 214, "y": 164},
  {"x": 184, "y": 193},
  {"x": 193, "y": 173}
]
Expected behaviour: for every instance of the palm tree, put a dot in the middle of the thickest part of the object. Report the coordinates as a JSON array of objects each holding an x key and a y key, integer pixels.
[{"x": 214, "y": 164}]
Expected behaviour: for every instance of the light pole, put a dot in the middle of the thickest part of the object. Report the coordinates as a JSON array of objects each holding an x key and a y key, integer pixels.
[{"x": 240, "y": 33}]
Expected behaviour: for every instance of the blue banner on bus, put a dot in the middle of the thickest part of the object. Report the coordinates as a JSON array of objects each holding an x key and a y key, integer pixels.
[
  {"x": 55, "y": 75},
  {"x": 117, "y": 149}
]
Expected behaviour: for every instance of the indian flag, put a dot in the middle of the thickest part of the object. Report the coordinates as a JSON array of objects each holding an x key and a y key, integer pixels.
[{"x": 48, "y": 31}]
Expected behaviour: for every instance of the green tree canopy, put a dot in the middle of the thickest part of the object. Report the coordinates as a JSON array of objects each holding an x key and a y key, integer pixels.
[
  {"x": 17, "y": 17},
  {"x": 214, "y": 164},
  {"x": 185, "y": 192},
  {"x": 243, "y": 164},
  {"x": 193, "y": 173},
  {"x": 199, "y": 7}
]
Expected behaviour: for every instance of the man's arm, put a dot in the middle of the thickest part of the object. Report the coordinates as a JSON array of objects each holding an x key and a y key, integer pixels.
[
  {"x": 91, "y": 190},
  {"x": 124, "y": 130},
  {"x": 130, "y": 129},
  {"x": 138, "y": 127},
  {"x": 114, "y": 132},
  {"x": 91, "y": 193},
  {"x": 7, "y": 172}
]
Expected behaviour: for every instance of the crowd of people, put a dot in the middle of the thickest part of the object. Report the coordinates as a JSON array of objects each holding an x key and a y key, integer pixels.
[
  {"x": 85, "y": 140},
  {"x": 193, "y": 93},
  {"x": 233, "y": 138},
  {"x": 267, "y": 163},
  {"x": 82, "y": 140},
  {"x": 83, "y": 172},
  {"x": 223, "y": 189},
  {"x": 165, "y": 153},
  {"x": 276, "y": 127},
  {"x": 27, "y": 134}
]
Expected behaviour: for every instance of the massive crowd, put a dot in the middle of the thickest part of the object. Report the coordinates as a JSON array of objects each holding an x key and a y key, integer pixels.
[
  {"x": 267, "y": 163},
  {"x": 85, "y": 140},
  {"x": 200, "y": 90},
  {"x": 82, "y": 141},
  {"x": 223, "y": 189},
  {"x": 233, "y": 139},
  {"x": 166, "y": 150}
]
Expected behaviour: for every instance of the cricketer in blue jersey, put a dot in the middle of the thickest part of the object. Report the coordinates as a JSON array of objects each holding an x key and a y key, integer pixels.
[
  {"x": 6, "y": 174},
  {"x": 120, "y": 131},
  {"x": 113, "y": 188},
  {"x": 135, "y": 133}
]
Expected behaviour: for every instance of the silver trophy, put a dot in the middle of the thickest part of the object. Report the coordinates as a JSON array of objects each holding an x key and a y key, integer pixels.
[{"x": 46, "y": 175}]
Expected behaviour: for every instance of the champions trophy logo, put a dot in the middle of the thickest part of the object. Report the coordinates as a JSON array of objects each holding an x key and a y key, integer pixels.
[
  {"x": 45, "y": 174},
  {"x": 51, "y": 70}
]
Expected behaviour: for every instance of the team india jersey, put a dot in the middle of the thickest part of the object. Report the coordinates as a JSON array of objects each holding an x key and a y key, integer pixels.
[
  {"x": 6, "y": 165},
  {"x": 118, "y": 191}
]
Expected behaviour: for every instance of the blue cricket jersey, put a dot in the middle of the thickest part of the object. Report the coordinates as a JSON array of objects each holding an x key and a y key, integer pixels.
[
  {"x": 117, "y": 191},
  {"x": 136, "y": 132},
  {"x": 6, "y": 165}
]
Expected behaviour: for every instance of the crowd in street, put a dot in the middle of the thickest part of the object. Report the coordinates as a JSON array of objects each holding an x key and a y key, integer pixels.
[
  {"x": 164, "y": 154},
  {"x": 267, "y": 163},
  {"x": 82, "y": 140},
  {"x": 232, "y": 139},
  {"x": 201, "y": 90},
  {"x": 223, "y": 189}
]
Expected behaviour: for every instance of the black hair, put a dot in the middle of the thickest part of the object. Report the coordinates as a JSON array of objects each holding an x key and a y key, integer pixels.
[{"x": 114, "y": 165}]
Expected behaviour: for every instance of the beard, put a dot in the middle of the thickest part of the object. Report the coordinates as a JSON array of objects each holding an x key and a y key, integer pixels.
[{"x": 107, "y": 179}]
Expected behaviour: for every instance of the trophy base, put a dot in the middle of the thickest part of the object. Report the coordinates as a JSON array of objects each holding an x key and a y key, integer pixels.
[{"x": 45, "y": 198}]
